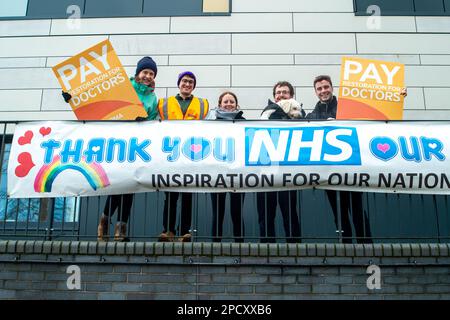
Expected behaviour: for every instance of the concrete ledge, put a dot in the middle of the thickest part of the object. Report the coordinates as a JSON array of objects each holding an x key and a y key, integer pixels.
[{"x": 358, "y": 252}]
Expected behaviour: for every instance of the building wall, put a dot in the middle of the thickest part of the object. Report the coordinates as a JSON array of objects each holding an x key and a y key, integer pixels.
[
  {"x": 204, "y": 271},
  {"x": 262, "y": 42}
]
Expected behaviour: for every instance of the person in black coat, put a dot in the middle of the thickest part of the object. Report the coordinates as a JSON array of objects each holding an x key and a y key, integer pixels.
[
  {"x": 228, "y": 109},
  {"x": 351, "y": 203},
  {"x": 267, "y": 201}
]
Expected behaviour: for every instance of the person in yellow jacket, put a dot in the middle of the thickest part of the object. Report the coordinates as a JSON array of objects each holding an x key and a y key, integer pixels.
[{"x": 183, "y": 106}]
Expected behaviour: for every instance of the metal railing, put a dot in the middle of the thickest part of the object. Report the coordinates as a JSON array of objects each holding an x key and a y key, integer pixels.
[{"x": 291, "y": 216}]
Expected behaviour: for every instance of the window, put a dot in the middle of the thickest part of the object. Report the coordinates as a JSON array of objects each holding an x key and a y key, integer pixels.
[
  {"x": 404, "y": 7},
  {"x": 60, "y": 9},
  {"x": 16, "y": 8}
]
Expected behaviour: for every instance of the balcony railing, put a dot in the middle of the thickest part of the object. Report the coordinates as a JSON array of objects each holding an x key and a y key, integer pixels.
[{"x": 378, "y": 218}]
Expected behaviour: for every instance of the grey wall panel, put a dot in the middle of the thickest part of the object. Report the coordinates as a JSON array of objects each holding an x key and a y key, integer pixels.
[
  {"x": 51, "y": 8},
  {"x": 387, "y": 6},
  {"x": 113, "y": 8},
  {"x": 436, "y": 6},
  {"x": 173, "y": 7}
]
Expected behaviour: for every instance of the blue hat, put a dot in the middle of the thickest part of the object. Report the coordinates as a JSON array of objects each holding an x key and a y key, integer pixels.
[
  {"x": 189, "y": 74},
  {"x": 146, "y": 63}
]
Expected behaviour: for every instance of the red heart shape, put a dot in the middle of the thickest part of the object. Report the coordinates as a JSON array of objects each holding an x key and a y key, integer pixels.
[
  {"x": 26, "y": 138},
  {"x": 26, "y": 163},
  {"x": 45, "y": 131}
]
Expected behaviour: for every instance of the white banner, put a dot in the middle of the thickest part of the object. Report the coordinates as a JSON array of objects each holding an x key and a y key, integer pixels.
[{"x": 50, "y": 159}]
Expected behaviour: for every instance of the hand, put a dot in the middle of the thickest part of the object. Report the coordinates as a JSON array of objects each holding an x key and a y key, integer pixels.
[
  {"x": 140, "y": 119},
  {"x": 404, "y": 92},
  {"x": 67, "y": 96}
]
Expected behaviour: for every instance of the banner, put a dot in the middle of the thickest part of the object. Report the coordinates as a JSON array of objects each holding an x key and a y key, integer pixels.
[
  {"x": 370, "y": 89},
  {"x": 99, "y": 85},
  {"x": 50, "y": 159}
]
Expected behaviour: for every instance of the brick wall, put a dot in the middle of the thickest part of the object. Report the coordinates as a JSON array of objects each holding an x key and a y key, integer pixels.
[{"x": 204, "y": 271}]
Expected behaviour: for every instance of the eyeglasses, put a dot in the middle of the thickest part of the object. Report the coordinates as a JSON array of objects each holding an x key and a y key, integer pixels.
[{"x": 185, "y": 81}]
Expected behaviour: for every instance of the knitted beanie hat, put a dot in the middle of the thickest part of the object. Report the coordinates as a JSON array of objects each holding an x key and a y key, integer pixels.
[
  {"x": 186, "y": 73},
  {"x": 146, "y": 63}
]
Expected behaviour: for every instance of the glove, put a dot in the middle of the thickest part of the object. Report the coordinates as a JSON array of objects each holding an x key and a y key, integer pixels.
[
  {"x": 66, "y": 96},
  {"x": 141, "y": 119}
]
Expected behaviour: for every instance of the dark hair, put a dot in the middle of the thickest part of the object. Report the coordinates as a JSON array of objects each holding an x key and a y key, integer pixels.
[
  {"x": 322, "y": 78},
  {"x": 224, "y": 94},
  {"x": 284, "y": 84}
]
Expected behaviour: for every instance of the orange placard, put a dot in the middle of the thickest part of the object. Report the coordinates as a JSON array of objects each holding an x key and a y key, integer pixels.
[
  {"x": 370, "y": 89},
  {"x": 99, "y": 85}
]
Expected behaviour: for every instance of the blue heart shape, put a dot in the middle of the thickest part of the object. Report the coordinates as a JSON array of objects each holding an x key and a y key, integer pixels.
[
  {"x": 196, "y": 148},
  {"x": 383, "y": 148}
]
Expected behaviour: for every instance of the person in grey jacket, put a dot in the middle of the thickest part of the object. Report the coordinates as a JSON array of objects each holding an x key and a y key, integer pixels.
[{"x": 228, "y": 109}]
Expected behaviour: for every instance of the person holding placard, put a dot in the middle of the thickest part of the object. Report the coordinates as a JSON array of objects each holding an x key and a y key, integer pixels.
[{"x": 144, "y": 84}]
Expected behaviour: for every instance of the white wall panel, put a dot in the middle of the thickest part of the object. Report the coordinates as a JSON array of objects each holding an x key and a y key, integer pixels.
[
  {"x": 30, "y": 116},
  {"x": 427, "y": 76},
  {"x": 20, "y": 100},
  {"x": 403, "y": 43},
  {"x": 235, "y": 59},
  {"x": 172, "y": 44},
  {"x": 22, "y": 62},
  {"x": 16, "y": 28},
  {"x": 239, "y": 22},
  {"x": 316, "y": 43},
  {"x": 32, "y": 78},
  {"x": 46, "y": 46},
  {"x": 292, "y": 6},
  {"x": 52, "y": 100},
  {"x": 433, "y": 24},
  {"x": 414, "y": 100},
  {"x": 111, "y": 26},
  {"x": 426, "y": 115},
  {"x": 348, "y": 22},
  {"x": 437, "y": 59},
  {"x": 262, "y": 76},
  {"x": 127, "y": 61},
  {"x": 336, "y": 59},
  {"x": 131, "y": 61},
  {"x": 437, "y": 98}
]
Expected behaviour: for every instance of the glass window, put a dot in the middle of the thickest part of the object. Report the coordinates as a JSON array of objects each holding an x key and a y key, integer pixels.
[
  {"x": 16, "y": 8},
  {"x": 405, "y": 7}
]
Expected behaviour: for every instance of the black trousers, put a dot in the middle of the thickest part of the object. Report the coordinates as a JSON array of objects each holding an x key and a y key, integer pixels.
[
  {"x": 218, "y": 207},
  {"x": 122, "y": 202},
  {"x": 170, "y": 212},
  {"x": 267, "y": 206},
  {"x": 351, "y": 204}
]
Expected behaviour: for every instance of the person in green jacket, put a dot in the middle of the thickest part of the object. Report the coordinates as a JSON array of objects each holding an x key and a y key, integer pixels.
[{"x": 144, "y": 84}]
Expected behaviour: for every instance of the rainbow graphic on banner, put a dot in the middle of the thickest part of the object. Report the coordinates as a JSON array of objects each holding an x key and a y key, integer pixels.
[{"x": 93, "y": 172}]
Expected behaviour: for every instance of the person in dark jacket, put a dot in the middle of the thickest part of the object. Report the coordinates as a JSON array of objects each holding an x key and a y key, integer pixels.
[
  {"x": 351, "y": 203},
  {"x": 228, "y": 109},
  {"x": 267, "y": 201},
  {"x": 326, "y": 107}
]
